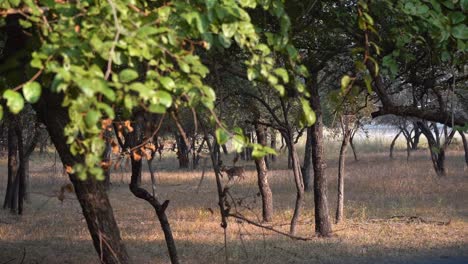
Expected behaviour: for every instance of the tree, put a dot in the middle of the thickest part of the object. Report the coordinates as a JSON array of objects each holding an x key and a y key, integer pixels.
[{"x": 143, "y": 57}]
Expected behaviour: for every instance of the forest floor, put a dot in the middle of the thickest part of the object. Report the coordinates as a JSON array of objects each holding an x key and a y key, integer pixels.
[{"x": 396, "y": 212}]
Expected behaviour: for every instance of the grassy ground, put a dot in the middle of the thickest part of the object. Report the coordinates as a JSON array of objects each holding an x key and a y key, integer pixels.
[{"x": 377, "y": 189}]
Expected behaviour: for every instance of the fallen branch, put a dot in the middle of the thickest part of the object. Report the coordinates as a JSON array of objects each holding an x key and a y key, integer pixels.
[
  {"x": 237, "y": 216},
  {"x": 411, "y": 219}
]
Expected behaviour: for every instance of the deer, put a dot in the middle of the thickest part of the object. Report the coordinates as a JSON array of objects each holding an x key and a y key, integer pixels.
[{"x": 234, "y": 171}]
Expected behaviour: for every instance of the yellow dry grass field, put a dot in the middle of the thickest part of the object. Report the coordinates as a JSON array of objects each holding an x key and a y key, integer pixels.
[{"x": 396, "y": 212}]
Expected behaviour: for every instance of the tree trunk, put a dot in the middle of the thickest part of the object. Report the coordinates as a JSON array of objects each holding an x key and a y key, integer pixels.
[
  {"x": 262, "y": 174},
  {"x": 273, "y": 144},
  {"x": 12, "y": 166},
  {"x": 435, "y": 148},
  {"x": 417, "y": 135},
  {"x": 307, "y": 165},
  {"x": 158, "y": 207},
  {"x": 341, "y": 177},
  {"x": 133, "y": 139},
  {"x": 106, "y": 158},
  {"x": 298, "y": 182},
  {"x": 392, "y": 145},
  {"x": 91, "y": 194},
  {"x": 322, "y": 219},
  {"x": 465, "y": 147},
  {"x": 182, "y": 153},
  {"x": 353, "y": 148},
  {"x": 21, "y": 173}
]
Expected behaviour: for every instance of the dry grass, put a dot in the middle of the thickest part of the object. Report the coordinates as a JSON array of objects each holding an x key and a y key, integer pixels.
[{"x": 376, "y": 188}]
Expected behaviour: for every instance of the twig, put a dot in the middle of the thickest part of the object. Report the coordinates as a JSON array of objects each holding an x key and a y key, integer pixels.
[
  {"x": 35, "y": 76},
  {"x": 270, "y": 228},
  {"x": 116, "y": 39},
  {"x": 150, "y": 137}
]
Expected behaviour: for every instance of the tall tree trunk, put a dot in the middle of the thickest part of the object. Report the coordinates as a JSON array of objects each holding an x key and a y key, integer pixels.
[
  {"x": 91, "y": 193},
  {"x": 297, "y": 180},
  {"x": 322, "y": 219},
  {"x": 21, "y": 173},
  {"x": 262, "y": 174},
  {"x": 341, "y": 176},
  {"x": 307, "y": 165},
  {"x": 12, "y": 166},
  {"x": 465, "y": 147}
]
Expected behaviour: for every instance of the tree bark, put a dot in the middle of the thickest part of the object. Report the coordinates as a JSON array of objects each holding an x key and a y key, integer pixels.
[
  {"x": 298, "y": 182},
  {"x": 91, "y": 193},
  {"x": 322, "y": 219},
  {"x": 21, "y": 172},
  {"x": 392, "y": 145},
  {"x": 307, "y": 165},
  {"x": 465, "y": 147},
  {"x": 133, "y": 139},
  {"x": 262, "y": 174},
  {"x": 341, "y": 175},
  {"x": 106, "y": 158},
  {"x": 12, "y": 166},
  {"x": 436, "y": 149},
  {"x": 160, "y": 209},
  {"x": 351, "y": 143},
  {"x": 273, "y": 144},
  {"x": 182, "y": 153}
]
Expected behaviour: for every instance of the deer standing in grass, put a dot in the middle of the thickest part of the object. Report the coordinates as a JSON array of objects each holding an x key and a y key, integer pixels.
[{"x": 234, "y": 172}]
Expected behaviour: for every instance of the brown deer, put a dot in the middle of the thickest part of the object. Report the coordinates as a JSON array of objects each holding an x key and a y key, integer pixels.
[{"x": 234, "y": 172}]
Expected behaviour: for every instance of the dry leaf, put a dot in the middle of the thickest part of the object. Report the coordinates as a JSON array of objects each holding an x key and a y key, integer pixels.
[
  {"x": 136, "y": 155},
  {"x": 68, "y": 169},
  {"x": 128, "y": 125},
  {"x": 106, "y": 123}
]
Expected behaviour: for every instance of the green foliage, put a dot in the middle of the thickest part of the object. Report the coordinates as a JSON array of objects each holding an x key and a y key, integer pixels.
[
  {"x": 32, "y": 92},
  {"x": 119, "y": 54},
  {"x": 14, "y": 100}
]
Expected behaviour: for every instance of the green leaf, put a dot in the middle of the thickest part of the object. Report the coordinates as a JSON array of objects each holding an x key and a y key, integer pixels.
[
  {"x": 368, "y": 82},
  {"x": 167, "y": 83},
  {"x": 229, "y": 29},
  {"x": 128, "y": 75},
  {"x": 164, "y": 98},
  {"x": 32, "y": 92},
  {"x": 1, "y": 112},
  {"x": 238, "y": 142},
  {"x": 456, "y": 17},
  {"x": 464, "y": 5},
  {"x": 460, "y": 31},
  {"x": 308, "y": 115},
  {"x": 345, "y": 80},
  {"x": 283, "y": 74},
  {"x": 92, "y": 117},
  {"x": 15, "y": 101},
  {"x": 221, "y": 136}
]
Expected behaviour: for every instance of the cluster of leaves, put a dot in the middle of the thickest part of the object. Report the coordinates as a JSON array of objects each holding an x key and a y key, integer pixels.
[
  {"x": 437, "y": 25},
  {"x": 131, "y": 54}
]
